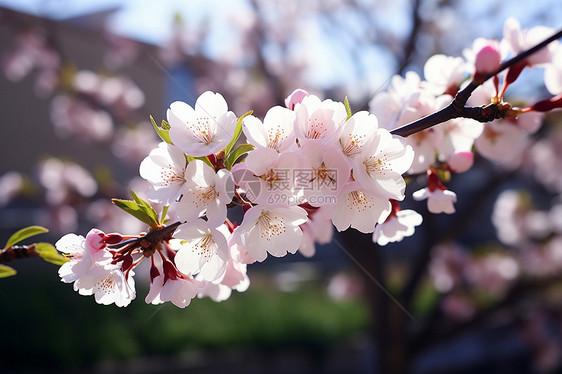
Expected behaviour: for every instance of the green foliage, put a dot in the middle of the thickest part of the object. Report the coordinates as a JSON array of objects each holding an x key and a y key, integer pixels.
[
  {"x": 139, "y": 209},
  {"x": 7, "y": 271},
  {"x": 205, "y": 159},
  {"x": 237, "y": 132},
  {"x": 24, "y": 234},
  {"x": 163, "y": 130},
  {"x": 72, "y": 331},
  {"x": 49, "y": 253},
  {"x": 236, "y": 153},
  {"x": 347, "y": 108}
]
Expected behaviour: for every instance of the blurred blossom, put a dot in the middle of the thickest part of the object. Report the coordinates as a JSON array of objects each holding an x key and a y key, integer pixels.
[
  {"x": 545, "y": 156},
  {"x": 31, "y": 51},
  {"x": 11, "y": 184},
  {"x": 537, "y": 224},
  {"x": 446, "y": 266},
  {"x": 74, "y": 117},
  {"x": 553, "y": 73},
  {"x": 119, "y": 93},
  {"x": 492, "y": 272},
  {"x": 86, "y": 81},
  {"x": 133, "y": 143},
  {"x": 546, "y": 347},
  {"x": 553, "y": 252},
  {"x": 61, "y": 179},
  {"x": 120, "y": 51},
  {"x": 508, "y": 218},
  {"x": 343, "y": 286},
  {"x": 555, "y": 218},
  {"x": 110, "y": 218},
  {"x": 519, "y": 40},
  {"x": 502, "y": 142},
  {"x": 458, "y": 306},
  {"x": 542, "y": 260},
  {"x": 61, "y": 219}
]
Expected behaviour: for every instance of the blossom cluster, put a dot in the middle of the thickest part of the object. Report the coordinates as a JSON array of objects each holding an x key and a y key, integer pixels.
[
  {"x": 306, "y": 167},
  {"x": 450, "y": 146}
]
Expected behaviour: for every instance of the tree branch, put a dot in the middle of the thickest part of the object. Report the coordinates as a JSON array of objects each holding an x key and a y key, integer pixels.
[{"x": 457, "y": 109}]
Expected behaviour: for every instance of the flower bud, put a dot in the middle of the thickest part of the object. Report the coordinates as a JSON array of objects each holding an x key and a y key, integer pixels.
[
  {"x": 488, "y": 58},
  {"x": 460, "y": 162},
  {"x": 295, "y": 98},
  {"x": 95, "y": 240}
]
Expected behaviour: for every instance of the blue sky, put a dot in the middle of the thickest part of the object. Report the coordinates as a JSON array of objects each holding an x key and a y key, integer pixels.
[
  {"x": 146, "y": 20},
  {"x": 150, "y": 21}
]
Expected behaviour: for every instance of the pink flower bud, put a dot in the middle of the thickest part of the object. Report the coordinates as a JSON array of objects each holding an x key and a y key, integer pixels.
[
  {"x": 295, "y": 98},
  {"x": 548, "y": 104},
  {"x": 460, "y": 162},
  {"x": 488, "y": 58},
  {"x": 95, "y": 240},
  {"x": 113, "y": 238}
]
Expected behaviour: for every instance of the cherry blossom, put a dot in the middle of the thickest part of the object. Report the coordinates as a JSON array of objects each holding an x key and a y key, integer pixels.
[
  {"x": 205, "y": 251},
  {"x": 317, "y": 229},
  {"x": 359, "y": 209},
  {"x": 318, "y": 119},
  {"x": 273, "y": 229},
  {"x": 381, "y": 164},
  {"x": 459, "y": 162},
  {"x": 179, "y": 291},
  {"x": 502, "y": 142},
  {"x": 202, "y": 130},
  {"x": 234, "y": 278},
  {"x": 276, "y": 173},
  {"x": 553, "y": 73},
  {"x": 357, "y": 131},
  {"x": 276, "y": 131},
  {"x": 295, "y": 98},
  {"x": 519, "y": 40},
  {"x": 108, "y": 284},
  {"x": 164, "y": 168},
  {"x": 83, "y": 254},
  {"x": 487, "y": 56},
  {"x": 445, "y": 73},
  {"x": 204, "y": 192},
  {"x": 92, "y": 270},
  {"x": 400, "y": 224},
  {"x": 438, "y": 200},
  {"x": 327, "y": 170}
]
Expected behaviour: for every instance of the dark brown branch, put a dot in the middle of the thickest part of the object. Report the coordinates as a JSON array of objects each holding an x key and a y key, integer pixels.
[
  {"x": 457, "y": 109},
  {"x": 18, "y": 251}
]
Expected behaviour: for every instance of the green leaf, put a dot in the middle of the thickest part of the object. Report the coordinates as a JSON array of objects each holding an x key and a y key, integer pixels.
[
  {"x": 236, "y": 153},
  {"x": 48, "y": 253},
  {"x": 133, "y": 209},
  {"x": 237, "y": 132},
  {"x": 163, "y": 131},
  {"x": 347, "y": 108},
  {"x": 6, "y": 271},
  {"x": 205, "y": 159},
  {"x": 164, "y": 212},
  {"x": 146, "y": 207},
  {"x": 24, "y": 234}
]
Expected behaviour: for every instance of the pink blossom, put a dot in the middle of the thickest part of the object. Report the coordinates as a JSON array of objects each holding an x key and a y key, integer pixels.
[
  {"x": 203, "y": 130},
  {"x": 459, "y": 162},
  {"x": 488, "y": 56},
  {"x": 296, "y": 97},
  {"x": 397, "y": 226}
]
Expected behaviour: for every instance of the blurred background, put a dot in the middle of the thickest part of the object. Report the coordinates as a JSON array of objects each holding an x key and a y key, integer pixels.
[{"x": 79, "y": 82}]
